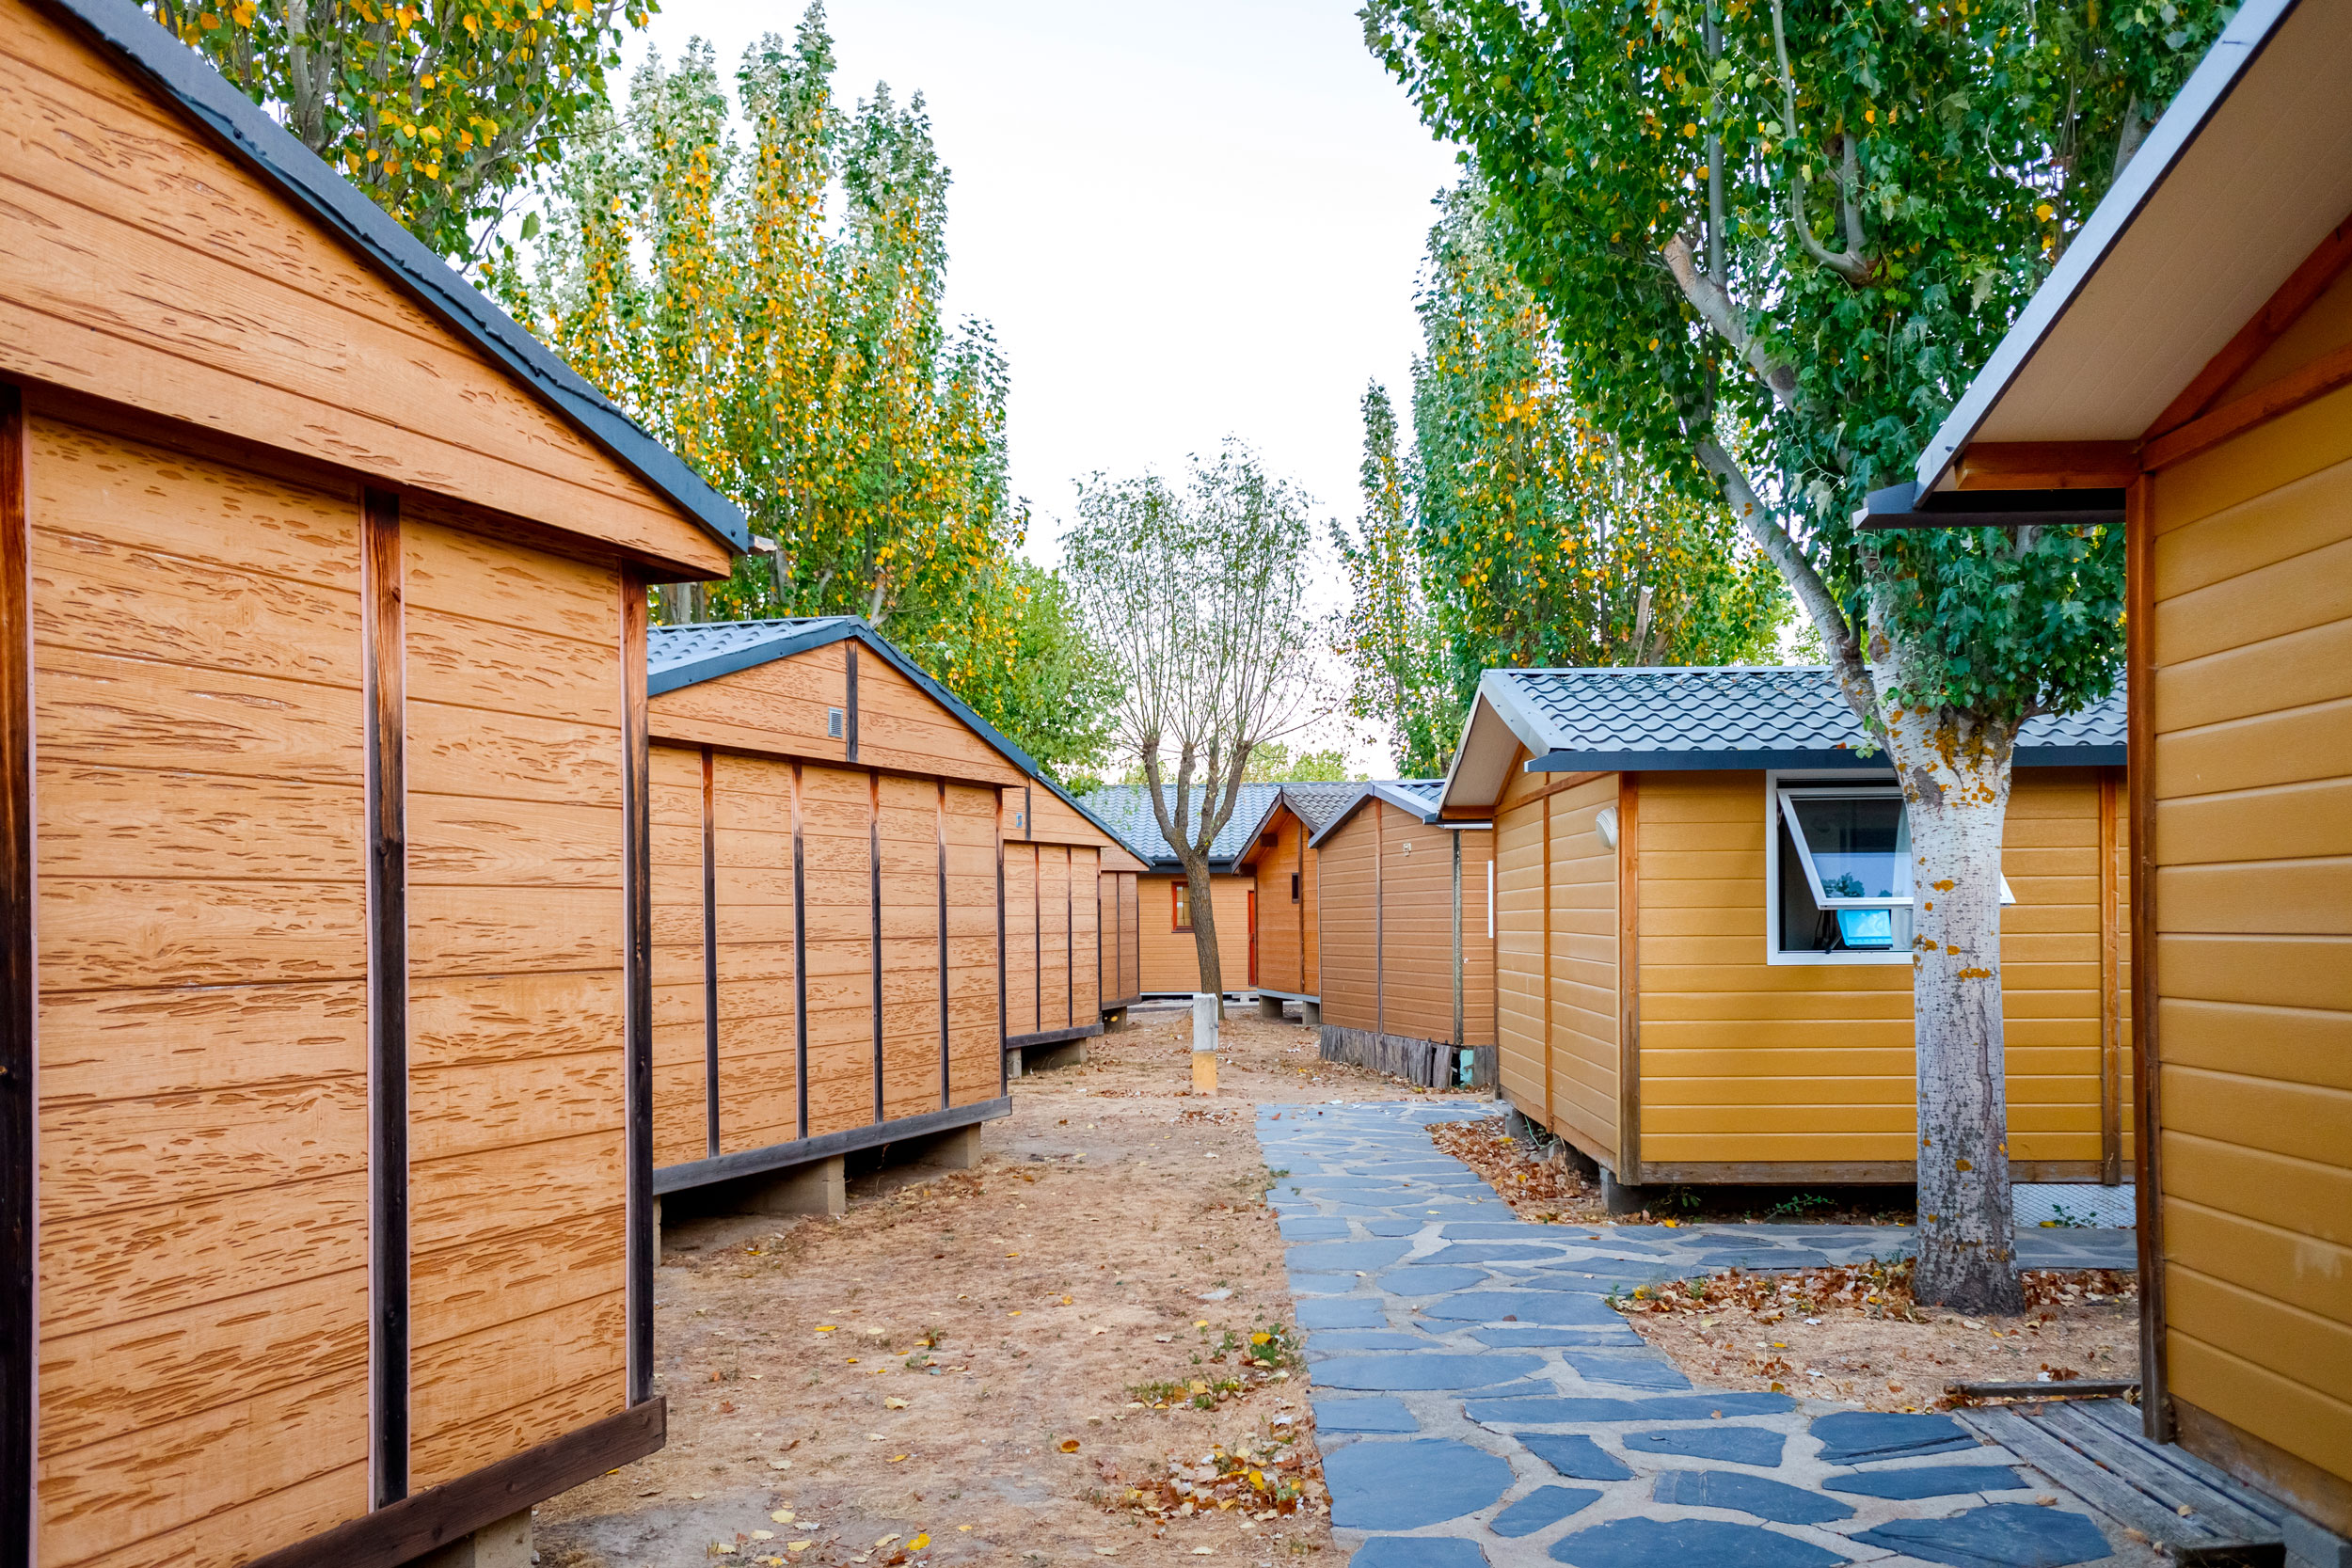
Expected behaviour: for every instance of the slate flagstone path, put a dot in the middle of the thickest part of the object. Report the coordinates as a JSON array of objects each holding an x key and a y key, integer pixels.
[{"x": 1479, "y": 1402}]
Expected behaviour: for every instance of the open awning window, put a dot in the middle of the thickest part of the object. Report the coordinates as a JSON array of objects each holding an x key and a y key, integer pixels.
[{"x": 1854, "y": 845}]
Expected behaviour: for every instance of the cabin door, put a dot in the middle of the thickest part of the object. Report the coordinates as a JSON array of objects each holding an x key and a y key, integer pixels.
[{"x": 1253, "y": 939}]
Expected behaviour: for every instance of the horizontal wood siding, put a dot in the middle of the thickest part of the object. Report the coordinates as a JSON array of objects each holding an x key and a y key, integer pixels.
[
  {"x": 1085, "y": 947},
  {"x": 1282, "y": 925},
  {"x": 1169, "y": 961},
  {"x": 1478, "y": 943},
  {"x": 837, "y": 845},
  {"x": 903, "y": 727},
  {"x": 1416, "y": 927},
  {"x": 1351, "y": 957},
  {"x": 910, "y": 824},
  {"x": 517, "y": 1222},
  {"x": 203, "y": 1025},
  {"x": 1518, "y": 957},
  {"x": 2250, "y": 706},
  {"x": 759, "y": 1089},
  {"x": 1024, "y": 917},
  {"x": 1748, "y": 1061},
  {"x": 139, "y": 257},
  {"x": 1584, "y": 970},
  {"x": 680, "y": 1107},
  {"x": 1308, "y": 863},
  {"x": 976, "y": 1051},
  {"x": 1121, "y": 978}
]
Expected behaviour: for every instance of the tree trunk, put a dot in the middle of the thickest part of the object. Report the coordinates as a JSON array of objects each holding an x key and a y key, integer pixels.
[
  {"x": 1955, "y": 777},
  {"x": 1204, "y": 932}
]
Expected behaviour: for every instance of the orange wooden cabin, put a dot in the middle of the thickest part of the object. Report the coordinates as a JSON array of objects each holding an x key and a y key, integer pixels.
[
  {"x": 1287, "y": 876},
  {"x": 1169, "y": 954},
  {"x": 1407, "y": 936},
  {"x": 831, "y": 960},
  {"x": 2186, "y": 372},
  {"x": 322, "y": 755}
]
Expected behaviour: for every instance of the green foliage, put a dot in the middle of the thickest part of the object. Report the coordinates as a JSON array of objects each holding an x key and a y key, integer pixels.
[
  {"x": 439, "y": 111},
  {"x": 763, "y": 295},
  {"x": 1272, "y": 762},
  {"x": 1049, "y": 686},
  {"x": 1889, "y": 198},
  {"x": 1515, "y": 534}
]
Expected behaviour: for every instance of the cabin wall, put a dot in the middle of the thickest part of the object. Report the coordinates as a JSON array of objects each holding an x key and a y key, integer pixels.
[
  {"x": 1170, "y": 959},
  {"x": 1052, "y": 944},
  {"x": 916, "y": 839},
  {"x": 1478, "y": 937},
  {"x": 1122, "y": 957},
  {"x": 1808, "y": 1066},
  {"x": 202, "y": 1026},
  {"x": 516, "y": 1185},
  {"x": 1347, "y": 909},
  {"x": 1556, "y": 1016},
  {"x": 2246, "y": 551},
  {"x": 1284, "y": 926},
  {"x": 226, "y": 307}
]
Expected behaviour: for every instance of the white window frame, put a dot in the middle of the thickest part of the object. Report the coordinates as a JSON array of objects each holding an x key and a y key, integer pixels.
[{"x": 1833, "y": 785}]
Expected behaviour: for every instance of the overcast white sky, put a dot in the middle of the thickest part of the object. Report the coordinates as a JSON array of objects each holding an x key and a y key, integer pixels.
[{"x": 1183, "y": 221}]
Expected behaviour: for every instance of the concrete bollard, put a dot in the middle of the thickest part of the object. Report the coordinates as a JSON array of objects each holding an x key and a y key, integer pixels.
[{"x": 1203, "y": 1043}]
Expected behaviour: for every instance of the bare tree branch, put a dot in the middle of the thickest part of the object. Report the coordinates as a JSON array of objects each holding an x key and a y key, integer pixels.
[{"x": 1722, "y": 313}]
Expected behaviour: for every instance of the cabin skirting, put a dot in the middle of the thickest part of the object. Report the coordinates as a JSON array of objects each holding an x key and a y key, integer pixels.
[
  {"x": 1843, "y": 1173},
  {"x": 1428, "y": 1063},
  {"x": 1054, "y": 1036},
  {"x": 402, "y": 1531},
  {"x": 802, "y": 1151}
]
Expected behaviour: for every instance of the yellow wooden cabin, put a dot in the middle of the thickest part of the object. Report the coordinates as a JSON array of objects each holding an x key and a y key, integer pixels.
[
  {"x": 1073, "y": 949},
  {"x": 323, "y": 1072},
  {"x": 1404, "y": 917},
  {"x": 1168, "y": 954},
  {"x": 1701, "y": 966},
  {"x": 831, "y": 975},
  {"x": 2186, "y": 372}
]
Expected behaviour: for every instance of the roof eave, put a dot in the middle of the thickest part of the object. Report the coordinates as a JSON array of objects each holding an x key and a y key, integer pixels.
[{"x": 1754, "y": 760}]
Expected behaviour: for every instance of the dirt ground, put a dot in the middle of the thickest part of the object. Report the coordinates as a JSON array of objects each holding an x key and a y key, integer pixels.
[
  {"x": 1832, "y": 1333},
  {"x": 1003, "y": 1364}
]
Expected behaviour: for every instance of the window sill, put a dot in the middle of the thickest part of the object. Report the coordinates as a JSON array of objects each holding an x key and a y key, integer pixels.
[{"x": 1881, "y": 961}]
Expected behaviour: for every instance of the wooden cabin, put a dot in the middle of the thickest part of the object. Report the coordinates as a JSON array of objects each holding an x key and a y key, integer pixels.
[
  {"x": 1070, "y": 925},
  {"x": 1702, "y": 941},
  {"x": 1282, "y": 862},
  {"x": 1407, "y": 936},
  {"x": 832, "y": 969},
  {"x": 322, "y": 599},
  {"x": 2187, "y": 370},
  {"x": 1168, "y": 956}
]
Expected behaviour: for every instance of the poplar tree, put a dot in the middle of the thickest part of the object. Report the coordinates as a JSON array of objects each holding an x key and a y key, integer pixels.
[{"x": 1776, "y": 240}]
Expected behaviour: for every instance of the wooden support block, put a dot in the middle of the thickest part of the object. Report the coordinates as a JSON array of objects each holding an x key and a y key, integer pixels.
[
  {"x": 819, "y": 1187},
  {"x": 1049, "y": 1058},
  {"x": 504, "y": 1544},
  {"x": 955, "y": 1150}
]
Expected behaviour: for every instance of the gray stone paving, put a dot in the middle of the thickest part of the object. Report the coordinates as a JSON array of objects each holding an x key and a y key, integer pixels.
[{"x": 1478, "y": 1402}]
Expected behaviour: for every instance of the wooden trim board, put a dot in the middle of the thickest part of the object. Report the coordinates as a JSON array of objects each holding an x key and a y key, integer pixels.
[
  {"x": 2148, "y": 1112},
  {"x": 637, "y": 988},
  {"x": 1629, "y": 979},
  {"x": 19, "y": 999},
  {"x": 940, "y": 826},
  {"x": 441, "y": 1515},
  {"x": 2284, "y": 308},
  {"x": 849, "y": 720},
  {"x": 2287, "y": 394},
  {"x": 710, "y": 953},
  {"x": 384, "y": 671},
  {"x": 2295, "y": 1481},
  {"x": 1854, "y": 1173},
  {"x": 873, "y": 903},
  {"x": 800, "y": 1151},
  {"x": 2111, "y": 989},
  {"x": 1004, "y": 1067},
  {"x": 800, "y": 956}
]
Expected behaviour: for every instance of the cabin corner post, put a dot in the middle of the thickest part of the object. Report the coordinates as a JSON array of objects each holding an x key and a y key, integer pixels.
[
  {"x": 2110, "y": 991},
  {"x": 384, "y": 671},
  {"x": 800, "y": 961},
  {"x": 2156, "y": 1402},
  {"x": 19, "y": 1230},
  {"x": 874, "y": 923},
  {"x": 939, "y": 824},
  {"x": 637, "y": 983},
  {"x": 1457, "y": 939},
  {"x": 1004, "y": 1064},
  {"x": 1629, "y": 979},
  {"x": 710, "y": 953}
]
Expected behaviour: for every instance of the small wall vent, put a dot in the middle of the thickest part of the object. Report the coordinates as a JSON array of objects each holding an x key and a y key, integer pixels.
[{"x": 835, "y": 724}]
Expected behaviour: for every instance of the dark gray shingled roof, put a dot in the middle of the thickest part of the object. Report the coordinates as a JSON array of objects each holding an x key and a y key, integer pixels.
[
  {"x": 1418, "y": 795},
  {"x": 1791, "y": 716},
  {"x": 296, "y": 173},
  {"x": 689, "y": 654},
  {"x": 1125, "y": 813},
  {"x": 1316, "y": 804}
]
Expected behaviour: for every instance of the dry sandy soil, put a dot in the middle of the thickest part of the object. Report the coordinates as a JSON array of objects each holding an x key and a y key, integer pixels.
[
  {"x": 1832, "y": 1333},
  {"x": 959, "y": 1361}
]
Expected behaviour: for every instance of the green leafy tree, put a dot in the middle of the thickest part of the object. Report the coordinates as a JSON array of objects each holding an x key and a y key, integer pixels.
[
  {"x": 1514, "y": 533},
  {"x": 440, "y": 111},
  {"x": 1272, "y": 762},
  {"x": 1199, "y": 596},
  {"x": 1049, "y": 686},
  {"x": 762, "y": 291},
  {"x": 1776, "y": 243}
]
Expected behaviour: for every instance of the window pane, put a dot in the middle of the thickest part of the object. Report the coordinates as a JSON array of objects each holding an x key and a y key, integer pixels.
[
  {"x": 1854, "y": 845},
  {"x": 1866, "y": 929}
]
